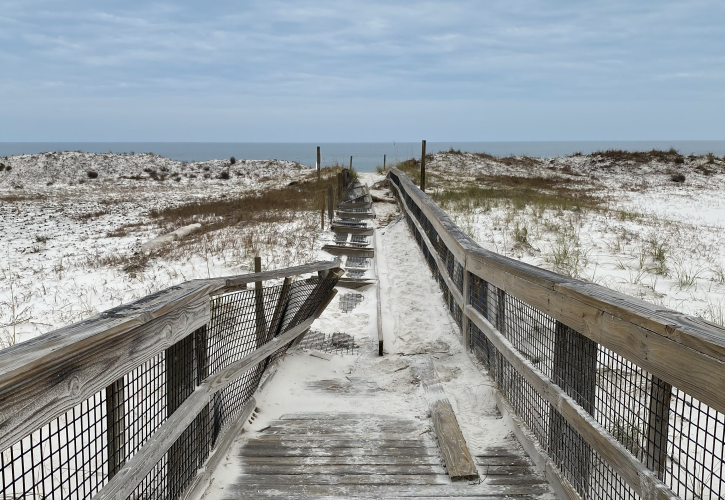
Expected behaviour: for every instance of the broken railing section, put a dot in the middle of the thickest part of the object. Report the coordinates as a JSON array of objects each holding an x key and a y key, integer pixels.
[
  {"x": 617, "y": 398},
  {"x": 355, "y": 239},
  {"x": 131, "y": 403}
]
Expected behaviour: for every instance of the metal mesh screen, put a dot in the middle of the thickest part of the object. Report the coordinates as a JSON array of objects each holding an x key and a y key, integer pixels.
[
  {"x": 64, "y": 459},
  {"x": 679, "y": 438},
  {"x": 73, "y": 456}
]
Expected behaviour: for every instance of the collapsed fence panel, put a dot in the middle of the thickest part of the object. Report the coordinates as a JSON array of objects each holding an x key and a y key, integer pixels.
[
  {"x": 81, "y": 451},
  {"x": 623, "y": 398}
]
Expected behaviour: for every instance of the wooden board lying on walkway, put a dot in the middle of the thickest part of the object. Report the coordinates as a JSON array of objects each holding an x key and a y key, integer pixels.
[
  {"x": 343, "y": 455},
  {"x": 450, "y": 438}
]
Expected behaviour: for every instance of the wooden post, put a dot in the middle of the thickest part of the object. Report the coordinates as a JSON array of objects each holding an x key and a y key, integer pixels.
[
  {"x": 465, "y": 323},
  {"x": 351, "y": 163},
  {"x": 658, "y": 425},
  {"x": 115, "y": 426},
  {"x": 422, "y": 168},
  {"x": 384, "y": 162},
  {"x": 501, "y": 312},
  {"x": 322, "y": 212},
  {"x": 201, "y": 346},
  {"x": 180, "y": 384},
  {"x": 319, "y": 165},
  {"x": 259, "y": 305},
  {"x": 575, "y": 371},
  {"x": 330, "y": 205},
  {"x": 280, "y": 309}
]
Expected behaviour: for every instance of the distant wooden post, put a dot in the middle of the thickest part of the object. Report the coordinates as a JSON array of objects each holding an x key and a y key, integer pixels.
[
  {"x": 384, "y": 161},
  {"x": 322, "y": 212},
  {"x": 422, "y": 168},
  {"x": 351, "y": 163},
  {"x": 319, "y": 164},
  {"x": 330, "y": 207}
]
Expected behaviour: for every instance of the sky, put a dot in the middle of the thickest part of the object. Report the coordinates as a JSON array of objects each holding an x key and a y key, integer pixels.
[{"x": 299, "y": 71}]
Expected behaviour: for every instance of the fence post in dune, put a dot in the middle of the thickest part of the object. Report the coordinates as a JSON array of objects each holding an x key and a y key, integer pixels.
[
  {"x": 422, "y": 168},
  {"x": 658, "y": 425},
  {"x": 115, "y": 426},
  {"x": 319, "y": 165},
  {"x": 351, "y": 163},
  {"x": 259, "y": 304},
  {"x": 330, "y": 205},
  {"x": 384, "y": 162}
]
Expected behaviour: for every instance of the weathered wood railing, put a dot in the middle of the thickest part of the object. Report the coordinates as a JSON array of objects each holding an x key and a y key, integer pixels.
[
  {"x": 133, "y": 402},
  {"x": 619, "y": 398}
]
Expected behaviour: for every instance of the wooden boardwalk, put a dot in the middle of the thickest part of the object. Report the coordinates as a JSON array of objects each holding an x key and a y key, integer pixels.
[
  {"x": 339, "y": 454},
  {"x": 344, "y": 455}
]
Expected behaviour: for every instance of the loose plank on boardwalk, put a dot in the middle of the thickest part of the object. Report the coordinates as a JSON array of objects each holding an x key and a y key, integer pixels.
[{"x": 453, "y": 446}]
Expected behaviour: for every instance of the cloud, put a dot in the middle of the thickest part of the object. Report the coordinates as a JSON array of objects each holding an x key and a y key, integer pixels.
[{"x": 310, "y": 53}]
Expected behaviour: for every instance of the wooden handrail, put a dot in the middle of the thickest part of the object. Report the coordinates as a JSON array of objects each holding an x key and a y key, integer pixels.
[
  {"x": 686, "y": 352},
  {"x": 683, "y": 350},
  {"x": 125, "y": 481},
  {"x": 44, "y": 377}
]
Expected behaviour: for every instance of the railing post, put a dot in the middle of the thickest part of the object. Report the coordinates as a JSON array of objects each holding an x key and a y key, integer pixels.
[
  {"x": 384, "y": 162},
  {"x": 319, "y": 164},
  {"x": 115, "y": 426},
  {"x": 422, "y": 168},
  {"x": 575, "y": 371},
  {"x": 180, "y": 383},
  {"x": 465, "y": 323},
  {"x": 280, "y": 308},
  {"x": 322, "y": 212},
  {"x": 658, "y": 424},
  {"x": 261, "y": 321},
  {"x": 330, "y": 205},
  {"x": 501, "y": 311}
]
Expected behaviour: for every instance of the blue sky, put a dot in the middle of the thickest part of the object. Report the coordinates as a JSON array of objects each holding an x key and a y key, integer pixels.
[{"x": 361, "y": 71}]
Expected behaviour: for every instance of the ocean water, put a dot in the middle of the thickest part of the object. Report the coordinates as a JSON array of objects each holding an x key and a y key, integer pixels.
[{"x": 366, "y": 155}]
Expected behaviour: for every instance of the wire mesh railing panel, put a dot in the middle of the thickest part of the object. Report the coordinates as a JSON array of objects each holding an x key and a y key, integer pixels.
[
  {"x": 64, "y": 459},
  {"x": 228, "y": 402},
  {"x": 144, "y": 402},
  {"x": 681, "y": 440},
  {"x": 76, "y": 454},
  {"x": 695, "y": 448},
  {"x": 240, "y": 323}
]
